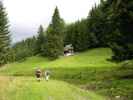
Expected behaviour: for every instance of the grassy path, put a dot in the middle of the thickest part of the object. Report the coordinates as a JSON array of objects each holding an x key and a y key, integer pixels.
[{"x": 27, "y": 88}]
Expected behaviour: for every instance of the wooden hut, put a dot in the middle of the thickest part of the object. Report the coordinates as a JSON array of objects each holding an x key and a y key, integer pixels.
[{"x": 68, "y": 50}]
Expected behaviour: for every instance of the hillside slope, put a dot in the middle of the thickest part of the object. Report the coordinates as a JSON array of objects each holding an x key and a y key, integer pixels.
[
  {"x": 91, "y": 58},
  {"x": 90, "y": 70}
]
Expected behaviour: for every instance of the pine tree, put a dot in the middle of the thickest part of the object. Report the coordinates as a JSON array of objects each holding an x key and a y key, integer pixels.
[
  {"x": 4, "y": 36},
  {"x": 122, "y": 16},
  {"x": 41, "y": 42},
  {"x": 77, "y": 35},
  {"x": 40, "y": 39},
  {"x": 55, "y": 43}
]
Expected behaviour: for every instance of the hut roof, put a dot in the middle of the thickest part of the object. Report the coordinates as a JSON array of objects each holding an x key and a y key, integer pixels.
[{"x": 68, "y": 47}]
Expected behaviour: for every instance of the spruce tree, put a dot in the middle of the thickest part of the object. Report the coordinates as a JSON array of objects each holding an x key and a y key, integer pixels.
[
  {"x": 122, "y": 17},
  {"x": 55, "y": 43},
  {"x": 41, "y": 42},
  {"x": 4, "y": 36},
  {"x": 40, "y": 39}
]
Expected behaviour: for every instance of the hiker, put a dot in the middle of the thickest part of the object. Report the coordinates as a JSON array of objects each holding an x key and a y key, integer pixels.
[
  {"x": 38, "y": 74},
  {"x": 47, "y": 75}
]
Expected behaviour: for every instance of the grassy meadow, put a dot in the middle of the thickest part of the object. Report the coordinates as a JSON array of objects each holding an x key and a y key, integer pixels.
[
  {"x": 95, "y": 58},
  {"x": 84, "y": 76},
  {"x": 27, "y": 88}
]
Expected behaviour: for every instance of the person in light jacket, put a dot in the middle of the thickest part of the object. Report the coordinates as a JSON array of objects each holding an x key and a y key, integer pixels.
[{"x": 47, "y": 75}]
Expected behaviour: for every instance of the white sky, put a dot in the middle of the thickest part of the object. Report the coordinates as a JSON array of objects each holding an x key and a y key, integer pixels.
[{"x": 25, "y": 16}]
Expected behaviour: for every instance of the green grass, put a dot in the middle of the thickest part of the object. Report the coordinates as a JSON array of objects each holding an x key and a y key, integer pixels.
[
  {"x": 92, "y": 58},
  {"x": 90, "y": 70},
  {"x": 27, "y": 88}
]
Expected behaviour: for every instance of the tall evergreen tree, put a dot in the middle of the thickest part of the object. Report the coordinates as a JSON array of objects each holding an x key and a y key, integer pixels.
[
  {"x": 55, "y": 43},
  {"x": 4, "y": 36},
  {"x": 41, "y": 42},
  {"x": 99, "y": 25},
  {"x": 122, "y": 16},
  {"x": 40, "y": 39},
  {"x": 77, "y": 35}
]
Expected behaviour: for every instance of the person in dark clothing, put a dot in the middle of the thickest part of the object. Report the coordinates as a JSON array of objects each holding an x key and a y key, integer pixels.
[{"x": 38, "y": 74}]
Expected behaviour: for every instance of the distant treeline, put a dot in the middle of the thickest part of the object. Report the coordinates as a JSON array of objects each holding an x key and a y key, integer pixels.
[{"x": 109, "y": 24}]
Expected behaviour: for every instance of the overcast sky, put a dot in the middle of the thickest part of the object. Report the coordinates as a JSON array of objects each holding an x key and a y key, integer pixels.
[{"x": 25, "y": 16}]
